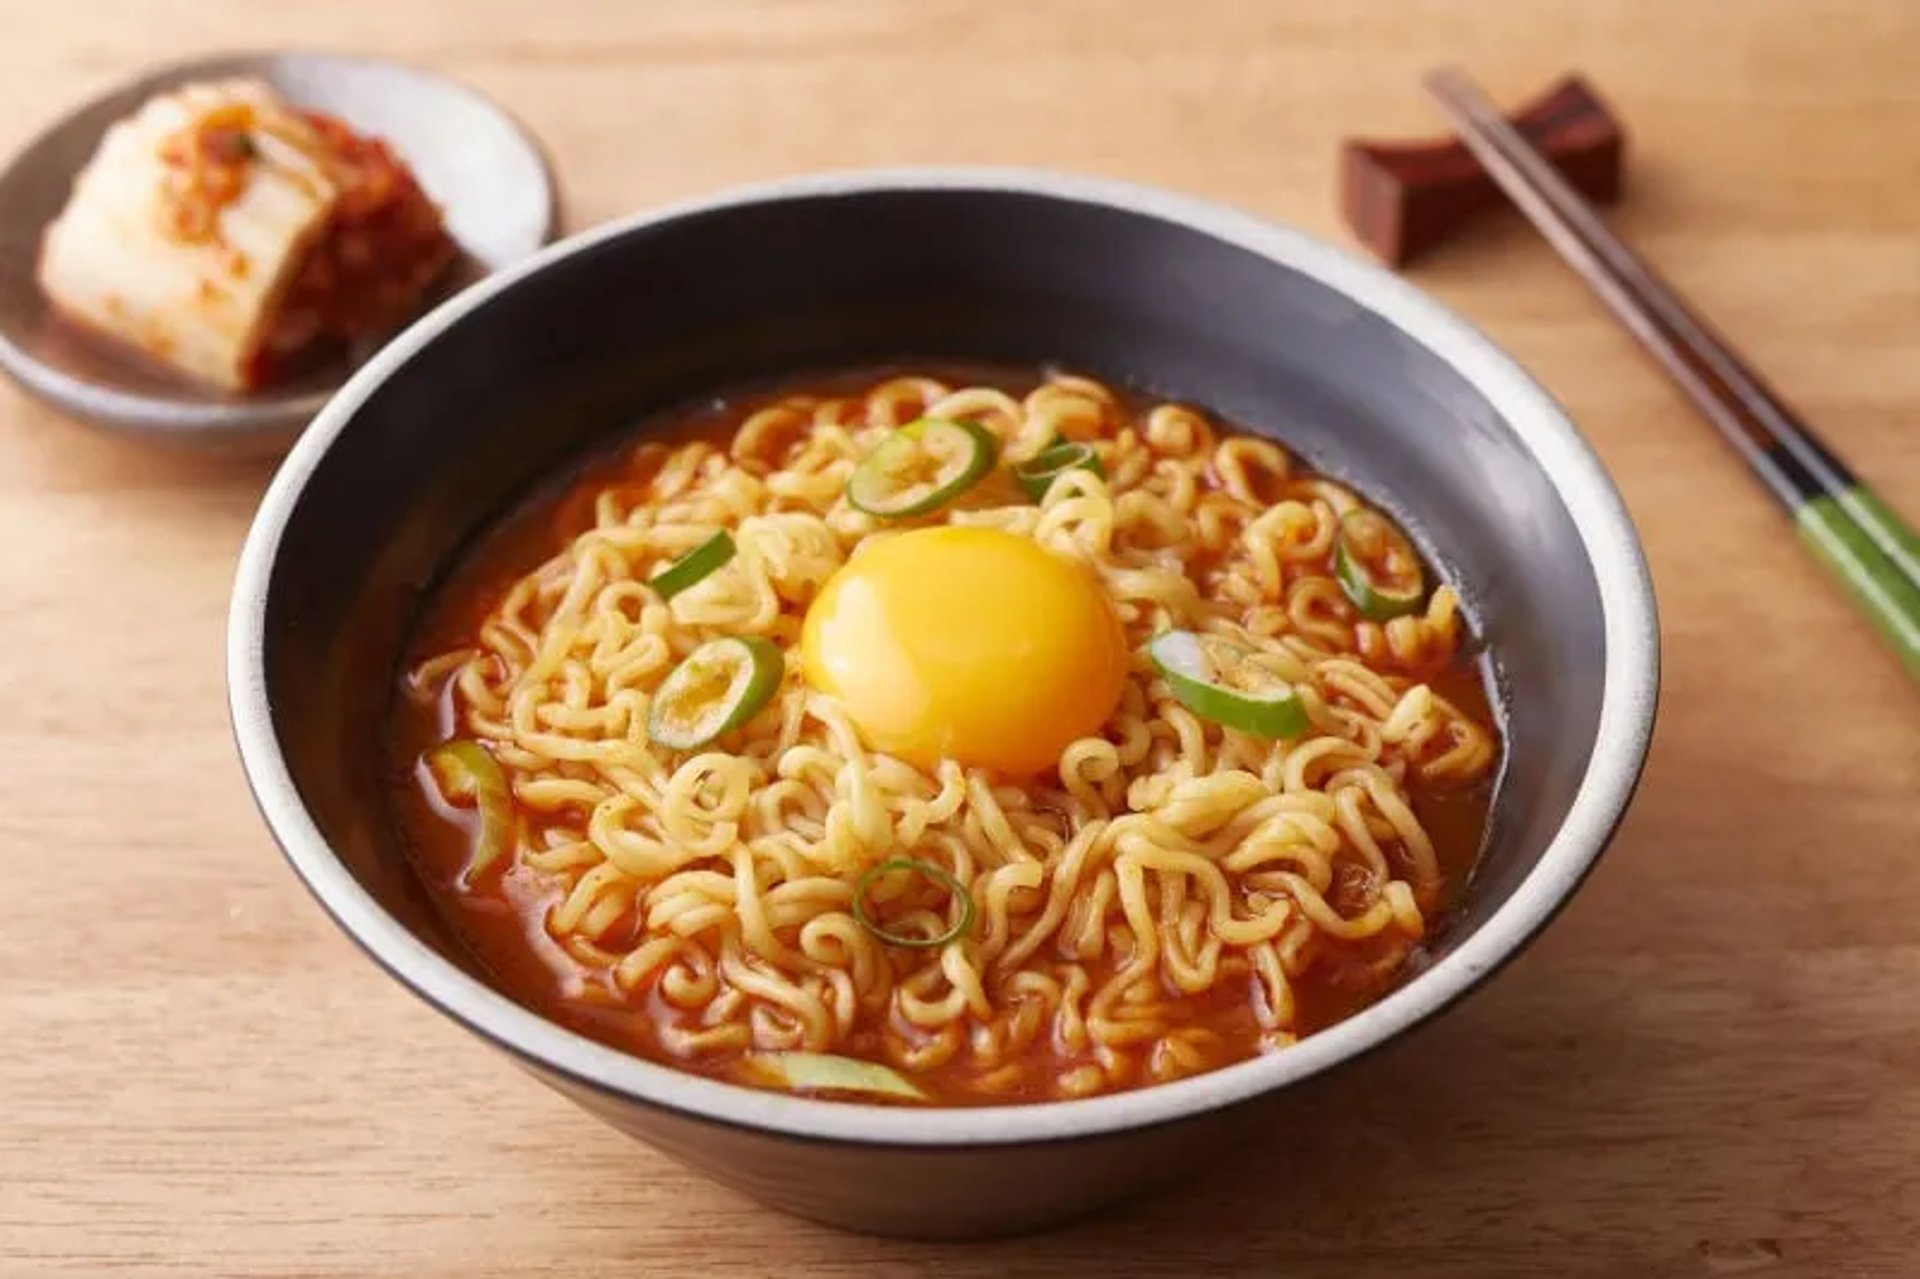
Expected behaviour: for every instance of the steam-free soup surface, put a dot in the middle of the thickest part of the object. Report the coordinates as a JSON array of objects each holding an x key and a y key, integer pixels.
[{"x": 970, "y": 826}]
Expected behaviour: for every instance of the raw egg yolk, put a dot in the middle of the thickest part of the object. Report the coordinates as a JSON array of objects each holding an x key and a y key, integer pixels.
[{"x": 968, "y": 644}]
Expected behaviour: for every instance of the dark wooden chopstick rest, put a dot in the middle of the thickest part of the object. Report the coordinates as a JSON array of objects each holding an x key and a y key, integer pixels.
[{"x": 1402, "y": 199}]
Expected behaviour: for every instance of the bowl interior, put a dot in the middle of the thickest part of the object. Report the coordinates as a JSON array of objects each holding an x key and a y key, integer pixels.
[{"x": 575, "y": 352}]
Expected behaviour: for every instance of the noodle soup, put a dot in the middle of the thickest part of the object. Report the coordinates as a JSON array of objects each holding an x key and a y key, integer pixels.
[{"x": 963, "y": 741}]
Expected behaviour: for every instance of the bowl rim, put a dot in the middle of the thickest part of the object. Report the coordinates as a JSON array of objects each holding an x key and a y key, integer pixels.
[{"x": 1628, "y": 701}]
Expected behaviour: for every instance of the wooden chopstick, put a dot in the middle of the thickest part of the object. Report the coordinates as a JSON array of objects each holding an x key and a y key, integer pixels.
[{"x": 1867, "y": 546}]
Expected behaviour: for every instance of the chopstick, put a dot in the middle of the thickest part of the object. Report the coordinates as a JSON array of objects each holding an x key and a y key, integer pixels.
[{"x": 1872, "y": 552}]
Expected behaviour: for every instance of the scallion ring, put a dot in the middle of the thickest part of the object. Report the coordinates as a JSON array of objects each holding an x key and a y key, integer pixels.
[
  {"x": 1037, "y": 473},
  {"x": 826, "y": 1072},
  {"x": 865, "y": 884},
  {"x": 232, "y": 146},
  {"x": 466, "y": 773},
  {"x": 721, "y": 685},
  {"x": 921, "y": 467},
  {"x": 695, "y": 566},
  {"x": 1376, "y": 566},
  {"x": 1216, "y": 679}
]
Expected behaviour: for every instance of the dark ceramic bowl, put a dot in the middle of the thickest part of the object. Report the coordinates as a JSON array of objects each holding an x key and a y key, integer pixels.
[{"x": 447, "y": 428}]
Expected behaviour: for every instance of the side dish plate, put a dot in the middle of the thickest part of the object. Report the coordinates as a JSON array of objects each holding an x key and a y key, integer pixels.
[{"x": 482, "y": 167}]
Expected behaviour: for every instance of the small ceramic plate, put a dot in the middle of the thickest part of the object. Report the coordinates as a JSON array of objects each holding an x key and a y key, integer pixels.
[{"x": 483, "y": 169}]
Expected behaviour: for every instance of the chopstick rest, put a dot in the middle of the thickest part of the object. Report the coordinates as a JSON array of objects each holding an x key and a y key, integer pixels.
[{"x": 1403, "y": 198}]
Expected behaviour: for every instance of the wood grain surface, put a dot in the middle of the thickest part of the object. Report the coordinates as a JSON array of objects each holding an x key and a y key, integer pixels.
[{"x": 1710, "y": 1066}]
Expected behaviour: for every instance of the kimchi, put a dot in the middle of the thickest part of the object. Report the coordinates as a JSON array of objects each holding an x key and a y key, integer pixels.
[{"x": 237, "y": 238}]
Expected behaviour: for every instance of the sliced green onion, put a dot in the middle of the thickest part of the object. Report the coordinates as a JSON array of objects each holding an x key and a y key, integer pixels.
[
  {"x": 1037, "y": 473},
  {"x": 719, "y": 686},
  {"x": 865, "y": 883},
  {"x": 824, "y": 1072},
  {"x": 921, "y": 467},
  {"x": 1376, "y": 566},
  {"x": 695, "y": 566},
  {"x": 232, "y": 145},
  {"x": 467, "y": 774},
  {"x": 1215, "y": 679}
]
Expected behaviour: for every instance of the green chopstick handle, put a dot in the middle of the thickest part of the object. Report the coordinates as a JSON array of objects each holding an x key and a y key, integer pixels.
[
  {"x": 1890, "y": 599},
  {"x": 1896, "y": 537}
]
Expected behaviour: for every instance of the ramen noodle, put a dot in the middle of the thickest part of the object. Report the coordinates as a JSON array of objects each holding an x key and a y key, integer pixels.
[{"x": 928, "y": 742}]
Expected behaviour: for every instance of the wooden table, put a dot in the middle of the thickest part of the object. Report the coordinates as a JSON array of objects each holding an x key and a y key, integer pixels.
[{"x": 1710, "y": 1066}]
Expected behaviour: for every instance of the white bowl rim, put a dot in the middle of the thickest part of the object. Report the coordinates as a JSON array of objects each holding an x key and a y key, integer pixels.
[{"x": 1628, "y": 700}]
